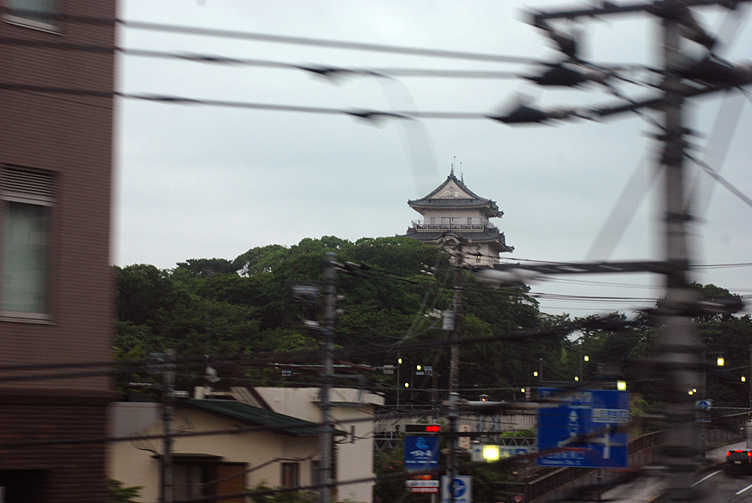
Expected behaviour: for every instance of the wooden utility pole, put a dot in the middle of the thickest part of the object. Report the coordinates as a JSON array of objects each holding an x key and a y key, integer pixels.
[
  {"x": 325, "y": 493},
  {"x": 168, "y": 414}
]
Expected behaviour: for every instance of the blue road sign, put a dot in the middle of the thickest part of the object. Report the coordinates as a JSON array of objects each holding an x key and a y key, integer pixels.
[
  {"x": 597, "y": 413},
  {"x": 421, "y": 452},
  {"x": 462, "y": 488}
]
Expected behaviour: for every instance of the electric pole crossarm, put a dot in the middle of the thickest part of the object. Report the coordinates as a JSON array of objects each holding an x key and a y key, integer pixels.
[
  {"x": 654, "y": 266},
  {"x": 610, "y": 8}
]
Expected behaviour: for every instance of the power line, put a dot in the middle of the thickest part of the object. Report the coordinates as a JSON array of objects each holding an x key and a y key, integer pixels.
[
  {"x": 718, "y": 178},
  {"x": 318, "y": 69},
  {"x": 332, "y": 44},
  {"x": 278, "y": 39},
  {"x": 370, "y": 115}
]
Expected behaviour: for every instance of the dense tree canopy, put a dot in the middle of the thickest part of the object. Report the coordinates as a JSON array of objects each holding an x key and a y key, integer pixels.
[{"x": 388, "y": 306}]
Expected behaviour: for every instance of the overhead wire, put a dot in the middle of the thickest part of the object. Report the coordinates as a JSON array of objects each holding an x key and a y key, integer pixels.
[
  {"x": 243, "y": 360},
  {"x": 718, "y": 178},
  {"x": 317, "y": 69},
  {"x": 278, "y": 39}
]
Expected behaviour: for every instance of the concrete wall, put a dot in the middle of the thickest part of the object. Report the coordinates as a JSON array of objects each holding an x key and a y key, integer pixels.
[{"x": 353, "y": 413}]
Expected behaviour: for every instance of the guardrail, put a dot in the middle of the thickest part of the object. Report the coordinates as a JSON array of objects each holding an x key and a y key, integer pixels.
[{"x": 556, "y": 479}]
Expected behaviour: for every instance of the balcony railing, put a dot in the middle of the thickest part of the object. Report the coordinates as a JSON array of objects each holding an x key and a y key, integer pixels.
[{"x": 421, "y": 225}]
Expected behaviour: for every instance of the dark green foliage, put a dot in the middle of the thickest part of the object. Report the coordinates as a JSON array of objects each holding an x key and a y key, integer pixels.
[
  {"x": 629, "y": 350},
  {"x": 217, "y": 306},
  {"x": 244, "y": 306},
  {"x": 119, "y": 493},
  {"x": 389, "y": 463},
  {"x": 280, "y": 497}
]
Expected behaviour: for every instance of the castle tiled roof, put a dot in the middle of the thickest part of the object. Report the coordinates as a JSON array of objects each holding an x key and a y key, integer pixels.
[
  {"x": 473, "y": 201},
  {"x": 491, "y": 236}
]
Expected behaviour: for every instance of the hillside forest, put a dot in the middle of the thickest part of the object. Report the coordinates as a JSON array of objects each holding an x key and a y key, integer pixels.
[{"x": 239, "y": 317}]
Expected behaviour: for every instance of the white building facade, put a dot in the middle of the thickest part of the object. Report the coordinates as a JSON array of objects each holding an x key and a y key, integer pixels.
[{"x": 353, "y": 413}]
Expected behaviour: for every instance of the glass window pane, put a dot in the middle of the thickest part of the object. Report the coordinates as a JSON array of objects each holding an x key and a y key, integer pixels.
[
  {"x": 25, "y": 259},
  {"x": 44, "y": 8}
]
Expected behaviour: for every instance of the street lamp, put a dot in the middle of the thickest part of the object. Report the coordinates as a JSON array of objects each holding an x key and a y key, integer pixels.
[
  {"x": 585, "y": 358},
  {"x": 399, "y": 362},
  {"x": 540, "y": 371},
  {"x": 491, "y": 453},
  {"x": 719, "y": 362}
]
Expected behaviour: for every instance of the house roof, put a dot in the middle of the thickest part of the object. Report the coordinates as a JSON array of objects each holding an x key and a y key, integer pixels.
[
  {"x": 280, "y": 423},
  {"x": 463, "y": 198}
]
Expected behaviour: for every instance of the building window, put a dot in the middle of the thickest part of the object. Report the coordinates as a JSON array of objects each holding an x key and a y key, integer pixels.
[
  {"x": 197, "y": 476},
  {"x": 27, "y": 197},
  {"x": 34, "y": 13},
  {"x": 191, "y": 480},
  {"x": 317, "y": 477},
  {"x": 291, "y": 474}
]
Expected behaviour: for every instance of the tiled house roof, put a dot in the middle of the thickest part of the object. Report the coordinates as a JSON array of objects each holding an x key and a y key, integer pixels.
[{"x": 280, "y": 423}]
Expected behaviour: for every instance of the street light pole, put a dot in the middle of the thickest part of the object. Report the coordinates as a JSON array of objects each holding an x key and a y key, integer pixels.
[
  {"x": 540, "y": 371},
  {"x": 399, "y": 383}
]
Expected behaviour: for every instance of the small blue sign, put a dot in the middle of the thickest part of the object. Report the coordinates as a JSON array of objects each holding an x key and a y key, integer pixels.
[
  {"x": 462, "y": 489},
  {"x": 421, "y": 453},
  {"x": 595, "y": 413}
]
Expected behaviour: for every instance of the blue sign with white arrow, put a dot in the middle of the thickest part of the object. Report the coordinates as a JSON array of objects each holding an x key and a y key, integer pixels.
[
  {"x": 594, "y": 414},
  {"x": 421, "y": 453}
]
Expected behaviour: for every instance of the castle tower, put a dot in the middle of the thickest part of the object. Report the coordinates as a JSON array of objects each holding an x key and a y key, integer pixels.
[{"x": 453, "y": 213}]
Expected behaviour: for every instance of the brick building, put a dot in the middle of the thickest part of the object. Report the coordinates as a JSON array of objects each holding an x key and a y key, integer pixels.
[{"x": 55, "y": 280}]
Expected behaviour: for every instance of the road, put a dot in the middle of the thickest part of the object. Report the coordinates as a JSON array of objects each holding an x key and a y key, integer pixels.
[{"x": 715, "y": 484}]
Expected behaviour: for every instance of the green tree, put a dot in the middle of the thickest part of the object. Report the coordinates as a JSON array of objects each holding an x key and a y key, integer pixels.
[{"x": 120, "y": 493}]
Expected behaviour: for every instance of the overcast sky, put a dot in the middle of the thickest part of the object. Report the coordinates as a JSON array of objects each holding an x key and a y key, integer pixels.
[{"x": 196, "y": 181}]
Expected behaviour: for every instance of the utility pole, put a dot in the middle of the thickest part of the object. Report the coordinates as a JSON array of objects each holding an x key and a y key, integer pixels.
[
  {"x": 680, "y": 345},
  {"x": 540, "y": 371},
  {"x": 168, "y": 415},
  {"x": 326, "y": 378},
  {"x": 454, "y": 363}
]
